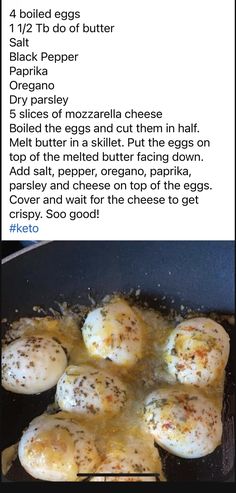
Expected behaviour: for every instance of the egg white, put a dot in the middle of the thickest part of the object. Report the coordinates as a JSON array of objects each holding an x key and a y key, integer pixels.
[
  {"x": 197, "y": 351},
  {"x": 185, "y": 423},
  {"x": 31, "y": 365},
  {"x": 56, "y": 448},
  {"x": 90, "y": 392},
  {"x": 114, "y": 331}
]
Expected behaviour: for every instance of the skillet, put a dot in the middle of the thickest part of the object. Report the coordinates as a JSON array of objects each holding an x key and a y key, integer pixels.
[{"x": 168, "y": 274}]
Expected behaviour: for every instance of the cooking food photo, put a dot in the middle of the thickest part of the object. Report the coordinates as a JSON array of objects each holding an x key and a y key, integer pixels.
[{"x": 117, "y": 361}]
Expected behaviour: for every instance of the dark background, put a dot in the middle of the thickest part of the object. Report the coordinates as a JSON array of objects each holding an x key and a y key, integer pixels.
[{"x": 9, "y": 247}]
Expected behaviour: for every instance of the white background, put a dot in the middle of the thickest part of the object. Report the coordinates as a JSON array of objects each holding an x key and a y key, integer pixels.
[{"x": 170, "y": 55}]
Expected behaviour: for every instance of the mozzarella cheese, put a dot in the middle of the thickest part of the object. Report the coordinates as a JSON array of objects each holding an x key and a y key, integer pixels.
[
  {"x": 114, "y": 332},
  {"x": 186, "y": 424},
  {"x": 90, "y": 392},
  {"x": 197, "y": 351},
  {"x": 31, "y": 365},
  {"x": 63, "y": 329},
  {"x": 55, "y": 448}
]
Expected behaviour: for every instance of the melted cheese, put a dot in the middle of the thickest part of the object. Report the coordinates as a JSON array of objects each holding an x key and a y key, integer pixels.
[
  {"x": 149, "y": 371},
  {"x": 64, "y": 329}
]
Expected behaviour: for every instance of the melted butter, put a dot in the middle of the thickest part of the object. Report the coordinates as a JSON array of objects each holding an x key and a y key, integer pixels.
[
  {"x": 113, "y": 433},
  {"x": 146, "y": 375},
  {"x": 8, "y": 456}
]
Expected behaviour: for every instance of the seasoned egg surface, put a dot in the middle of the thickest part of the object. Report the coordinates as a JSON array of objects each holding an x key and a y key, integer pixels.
[
  {"x": 31, "y": 365},
  {"x": 197, "y": 351},
  {"x": 56, "y": 448},
  {"x": 130, "y": 458},
  {"x": 90, "y": 392},
  {"x": 186, "y": 424},
  {"x": 115, "y": 332}
]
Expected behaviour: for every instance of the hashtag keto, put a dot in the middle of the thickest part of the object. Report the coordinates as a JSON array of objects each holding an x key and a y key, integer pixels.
[{"x": 17, "y": 228}]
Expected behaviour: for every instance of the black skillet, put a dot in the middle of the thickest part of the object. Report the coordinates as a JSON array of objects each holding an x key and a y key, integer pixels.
[{"x": 198, "y": 275}]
